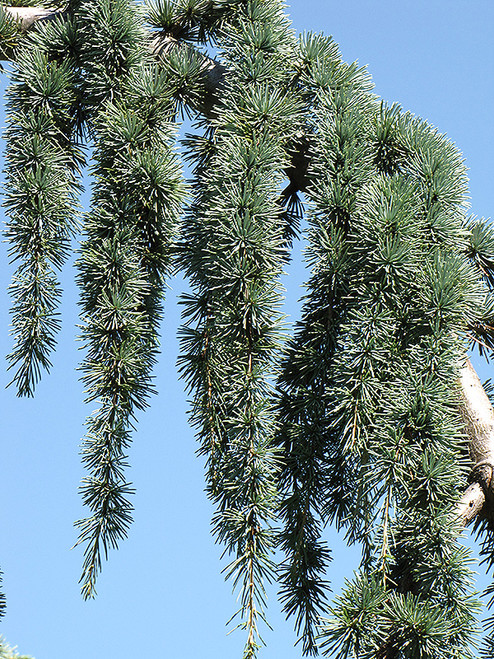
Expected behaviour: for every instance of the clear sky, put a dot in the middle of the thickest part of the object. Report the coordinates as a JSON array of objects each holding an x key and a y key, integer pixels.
[{"x": 162, "y": 594}]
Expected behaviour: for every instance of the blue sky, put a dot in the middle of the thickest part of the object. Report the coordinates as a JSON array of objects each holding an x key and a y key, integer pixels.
[{"x": 162, "y": 594}]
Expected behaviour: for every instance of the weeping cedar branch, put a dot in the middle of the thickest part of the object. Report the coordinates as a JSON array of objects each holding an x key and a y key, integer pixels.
[
  {"x": 475, "y": 408},
  {"x": 160, "y": 45}
]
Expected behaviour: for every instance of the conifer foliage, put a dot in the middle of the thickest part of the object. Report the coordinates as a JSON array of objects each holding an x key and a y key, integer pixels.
[{"x": 353, "y": 418}]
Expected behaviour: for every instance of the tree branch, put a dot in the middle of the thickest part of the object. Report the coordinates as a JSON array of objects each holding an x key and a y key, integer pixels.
[
  {"x": 27, "y": 16},
  {"x": 475, "y": 407},
  {"x": 160, "y": 44},
  {"x": 213, "y": 73},
  {"x": 478, "y": 417}
]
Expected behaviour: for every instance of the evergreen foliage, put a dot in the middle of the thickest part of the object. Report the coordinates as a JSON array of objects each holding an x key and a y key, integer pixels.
[
  {"x": 124, "y": 257},
  {"x": 9, "y": 35},
  {"x": 43, "y": 161},
  {"x": 234, "y": 254},
  {"x": 353, "y": 419},
  {"x": 2, "y": 599},
  {"x": 7, "y": 652}
]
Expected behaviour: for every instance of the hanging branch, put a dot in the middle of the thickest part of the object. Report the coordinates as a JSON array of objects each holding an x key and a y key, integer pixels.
[
  {"x": 125, "y": 256},
  {"x": 26, "y": 17},
  {"x": 413, "y": 433},
  {"x": 233, "y": 251},
  {"x": 233, "y": 304},
  {"x": 162, "y": 43},
  {"x": 335, "y": 94},
  {"x": 43, "y": 162}
]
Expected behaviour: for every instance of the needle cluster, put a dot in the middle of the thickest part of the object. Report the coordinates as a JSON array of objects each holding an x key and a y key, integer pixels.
[{"x": 353, "y": 419}]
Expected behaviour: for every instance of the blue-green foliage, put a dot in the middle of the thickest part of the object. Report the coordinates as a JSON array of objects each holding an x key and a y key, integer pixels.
[
  {"x": 125, "y": 255},
  {"x": 9, "y": 35},
  {"x": 7, "y": 652},
  {"x": 43, "y": 160},
  {"x": 336, "y": 96},
  {"x": 353, "y": 420},
  {"x": 233, "y": 251},
  {"x": 367, "y": 412}
]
